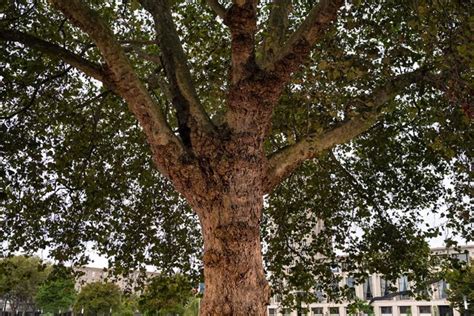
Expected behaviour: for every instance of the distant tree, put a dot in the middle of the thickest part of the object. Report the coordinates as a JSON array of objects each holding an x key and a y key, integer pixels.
[
  {"x": 360, "y": 307},
  {"x": 57, "y": 293},
  {"x": 461, "y": 287},
  {"x": 165, "y": 295},
  {"x": 20, "y": 277},
  {"x": 129, "y": 305},
  {"x": 98, "y": 298}
]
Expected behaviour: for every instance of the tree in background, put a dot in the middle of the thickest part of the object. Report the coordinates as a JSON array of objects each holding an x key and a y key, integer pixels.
[
  {"x": 98, "y": 298},
  {"x": 129, "y": 305},
  {"x": 58, "y": 292},
  {"x": 461, "y": 288},
  {"x": 149, "y": 125},
  {"x": 20, "y": 278},
  {"x": 165, "y": 295}
]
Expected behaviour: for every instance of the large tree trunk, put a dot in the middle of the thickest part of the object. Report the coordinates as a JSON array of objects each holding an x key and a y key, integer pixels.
[
  {"x": 235, "y": 282},
  {"x": 230, "y": 217}
]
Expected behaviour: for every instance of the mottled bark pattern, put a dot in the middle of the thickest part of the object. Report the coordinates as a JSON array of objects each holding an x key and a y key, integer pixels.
[
  {"x": 230, "y": 211},
  {"x": 233, "y": 271}
]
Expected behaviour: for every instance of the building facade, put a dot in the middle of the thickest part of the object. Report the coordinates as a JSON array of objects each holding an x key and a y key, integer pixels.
[
  {"x": 376, "y": 286},
  {"x": 91, "y": 274}
]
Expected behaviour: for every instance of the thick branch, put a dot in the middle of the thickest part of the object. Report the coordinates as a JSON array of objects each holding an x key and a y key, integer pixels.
[
  {"x": 276, "y": 29},
  {"x": 192, "y": 117},
  {"x": 168, "y": 150},
  {"x": 300, "y": 43},
  {"x": 242, "y": 21},
  {"x": 218, "y": 8},
  {"x": 55, "y": 51},
  {"x": 283, "y": 162}
]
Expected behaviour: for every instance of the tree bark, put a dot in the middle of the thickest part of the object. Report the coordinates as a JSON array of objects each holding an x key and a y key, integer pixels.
[
  {"x": 235, "y": 282},
  {"x": 230, "y": 217}
]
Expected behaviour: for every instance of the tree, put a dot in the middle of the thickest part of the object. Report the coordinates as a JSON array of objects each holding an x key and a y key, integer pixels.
[
  {"x": 461, "y": 288},
  {"x": 129, "y": 305},
  {"x": 98, "y": 298},
  {"x": 354, "y": 114},
  {"x": 165, "y": 295},
  {"x": 20, "y": 278},
  {"x": 58, "y": 292}
]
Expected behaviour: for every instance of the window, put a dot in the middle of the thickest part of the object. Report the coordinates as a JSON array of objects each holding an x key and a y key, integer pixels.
[
  {"x": 350, "y": 281},
  {"x": 384, "y": 287},
  {"x": 334, "y": 310},
  {"x": 317, "y": 311},
  {"x": 368, "y": 289},
  {"x": 272, "y": 312},
  {"x": 319, "y": 293},
  {"x": 424, "y": 309},
  {"x": 386, "y": 310},
  {"x": 445, "y": 310},
  {"x": 403, "y": 286},
  {"x": 275, "y": 299},
  {"x": 405, "y": 310},
  {"x": 351, "y": 284},
  {"x": 441, "y": 288},
  {"x": 462, "y": 257}
]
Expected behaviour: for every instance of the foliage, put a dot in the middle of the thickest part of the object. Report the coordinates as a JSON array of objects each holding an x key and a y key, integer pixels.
[
  {"x": 192, "y": 307},
  {"x": 165, "y": 294},
  {"x": 98, "y": 298},
  {"x": 58, "y": 292},
  {"x": 360, "y": 306},
  {"x": 20, "y": 278},
  {"x": 461, "y": 287},
  {"x": 75, "y": 168},
  {"x": 129, "y": 305}
]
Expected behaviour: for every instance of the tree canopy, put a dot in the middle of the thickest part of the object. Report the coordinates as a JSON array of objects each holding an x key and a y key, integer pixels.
[
  {"x": 117, "y": 117},
  {"x": 20, "y": 278},
  {"x": 98, "y": 298},
  {"x": 57, "y": 293}
]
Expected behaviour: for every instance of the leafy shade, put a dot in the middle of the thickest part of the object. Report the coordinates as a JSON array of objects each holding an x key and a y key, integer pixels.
[
  {"x": 166, "y": 294},
  {"x": 98, "y": 298}
]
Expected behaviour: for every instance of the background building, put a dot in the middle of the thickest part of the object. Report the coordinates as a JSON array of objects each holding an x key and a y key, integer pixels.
[
  {"x": 376, "y": 286},
  {"x": 90, "y": 274}
]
